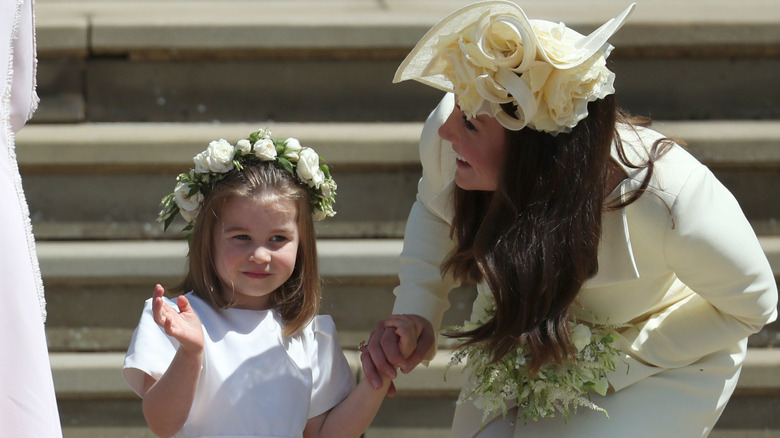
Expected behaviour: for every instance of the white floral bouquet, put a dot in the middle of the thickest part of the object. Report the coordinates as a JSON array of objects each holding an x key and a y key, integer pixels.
[
  {"x": 560, "y": 388},
  {"x": 221, "y": 157}
]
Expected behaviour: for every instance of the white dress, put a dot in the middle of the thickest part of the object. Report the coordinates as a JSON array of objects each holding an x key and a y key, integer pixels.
[
  {"x": 28, "y": 407},
  {"x": 254, "y": 381}
]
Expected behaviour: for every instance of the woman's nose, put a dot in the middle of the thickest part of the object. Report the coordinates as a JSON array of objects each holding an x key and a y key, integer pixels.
[{"x": 447, "y": 129}]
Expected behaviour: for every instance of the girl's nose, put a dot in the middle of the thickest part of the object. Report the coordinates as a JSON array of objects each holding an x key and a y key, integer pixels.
[{"x": 261, "y": 254}]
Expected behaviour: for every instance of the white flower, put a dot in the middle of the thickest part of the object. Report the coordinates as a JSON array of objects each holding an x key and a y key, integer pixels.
[
  {"x": 292, "y": 149},
  {"x": 580, "y": 336},
  {"x": 293, "y": 144},
  {"x": 328, "y": 189},
  {"x": 567, "y": 92},
  {"x": 188, "y": 215},
  {"x": 189, "y": 203},
  {"x": 243, "y": 146},
  {"x": 308, "y": 168},
  {"x": 264, "y": 133},
  {"x": 218, "y": 158},
  {"x": 265, "y": 149}
]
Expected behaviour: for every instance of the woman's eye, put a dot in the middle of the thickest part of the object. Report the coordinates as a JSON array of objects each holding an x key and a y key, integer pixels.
[{"x": 467, "y": 123}]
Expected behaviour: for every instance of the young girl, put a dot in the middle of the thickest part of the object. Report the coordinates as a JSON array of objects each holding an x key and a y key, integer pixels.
[{"x": 243, "y": 353}]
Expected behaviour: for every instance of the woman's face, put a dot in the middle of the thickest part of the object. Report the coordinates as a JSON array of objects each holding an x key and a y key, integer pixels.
[{"x": 480, "y": 145}]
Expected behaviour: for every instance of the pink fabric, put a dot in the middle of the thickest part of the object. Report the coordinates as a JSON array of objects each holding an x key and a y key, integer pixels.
[{"x": 28, "y": 406}]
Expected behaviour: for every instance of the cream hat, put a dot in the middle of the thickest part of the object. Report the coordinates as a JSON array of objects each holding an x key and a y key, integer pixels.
[{"x": 489, "y": 53}]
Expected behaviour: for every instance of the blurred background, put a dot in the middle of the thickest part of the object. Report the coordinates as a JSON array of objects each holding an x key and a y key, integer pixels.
[{"x": 132, "y": 89}]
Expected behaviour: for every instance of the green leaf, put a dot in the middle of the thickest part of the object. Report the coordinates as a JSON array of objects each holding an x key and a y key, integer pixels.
[{"x": 286, "y": 165}]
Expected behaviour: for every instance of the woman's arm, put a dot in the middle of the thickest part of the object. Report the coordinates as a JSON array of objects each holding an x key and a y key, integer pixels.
[
  {"x": 714, "y": 251},
  {"x": 167, "y": 401}
]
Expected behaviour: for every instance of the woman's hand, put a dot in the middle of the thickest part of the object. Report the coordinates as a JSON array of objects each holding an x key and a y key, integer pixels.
[
  {"x": 384, "y": 352},
  {"x": 183, "y": 325}
]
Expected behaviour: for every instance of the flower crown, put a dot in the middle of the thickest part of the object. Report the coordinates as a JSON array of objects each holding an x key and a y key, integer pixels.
[
  {"x": 490, "y": 54},
  {"x": 221, "y": 158}
]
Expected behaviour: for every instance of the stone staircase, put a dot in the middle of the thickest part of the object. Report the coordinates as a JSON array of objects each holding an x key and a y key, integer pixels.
[{"x": 132, "y": 89}]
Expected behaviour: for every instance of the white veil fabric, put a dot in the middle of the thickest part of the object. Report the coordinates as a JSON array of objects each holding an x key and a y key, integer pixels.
[{"x": 28, "y": 406}]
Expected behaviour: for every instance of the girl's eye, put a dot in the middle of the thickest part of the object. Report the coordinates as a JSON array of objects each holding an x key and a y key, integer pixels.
[
  {"x": 278, "y": 238},
  {"x": 242, "y": 237},
  {"x": 467, "y": 123}
]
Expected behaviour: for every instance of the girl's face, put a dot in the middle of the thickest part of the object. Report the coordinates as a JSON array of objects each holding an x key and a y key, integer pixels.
[
  {"x": 480, "y": 144},
  {"x": 255, "y": 245}
]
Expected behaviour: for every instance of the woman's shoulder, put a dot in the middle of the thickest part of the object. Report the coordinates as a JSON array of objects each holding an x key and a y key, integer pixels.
[{"x": 671, "y": 169}]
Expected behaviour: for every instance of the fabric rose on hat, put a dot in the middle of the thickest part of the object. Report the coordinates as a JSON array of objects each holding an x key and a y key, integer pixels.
[{"x": 496, "y": 60}]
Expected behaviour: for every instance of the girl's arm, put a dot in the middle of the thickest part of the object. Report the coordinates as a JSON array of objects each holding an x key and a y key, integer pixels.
[
  {"x": 167, "y": 401},
  {"x": 354, "y": 414}
]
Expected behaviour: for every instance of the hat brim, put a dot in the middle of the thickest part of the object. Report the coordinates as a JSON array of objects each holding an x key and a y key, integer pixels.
[{"x": 416, "y": 62}]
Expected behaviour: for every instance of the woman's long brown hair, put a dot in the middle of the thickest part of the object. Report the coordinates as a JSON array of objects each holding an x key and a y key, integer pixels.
[{"x": 535, "y": 239}]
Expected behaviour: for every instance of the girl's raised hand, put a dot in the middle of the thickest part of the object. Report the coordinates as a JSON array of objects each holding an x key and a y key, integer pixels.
[{"x": 183, "y": 325}]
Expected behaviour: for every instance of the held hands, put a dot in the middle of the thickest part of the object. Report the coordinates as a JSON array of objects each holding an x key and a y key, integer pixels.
[
  {"x": 183, "y": 325},
  {"x": 401, "y": 341}
]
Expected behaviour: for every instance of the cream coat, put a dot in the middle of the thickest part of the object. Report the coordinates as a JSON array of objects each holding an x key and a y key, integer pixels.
[{"x": 681, "y": 264}]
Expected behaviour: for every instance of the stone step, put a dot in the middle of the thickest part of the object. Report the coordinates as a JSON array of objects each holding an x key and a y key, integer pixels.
[
  {"x": 95, "y": 290},
  {"x": 105, "y": 180},
  {"x": 110, "y": 61},
  {"x": 94, "y": 400}
]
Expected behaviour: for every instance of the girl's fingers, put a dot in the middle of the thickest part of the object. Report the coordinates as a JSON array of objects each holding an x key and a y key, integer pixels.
[
  {"x": 183, "y": 303},
  {"x": 370, "y": 370}
]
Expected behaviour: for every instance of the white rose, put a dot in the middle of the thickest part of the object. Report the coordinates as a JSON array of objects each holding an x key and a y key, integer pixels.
[
  {"x": 567, "y": 92},
  {"x": 189, "y": 216},
  {"x": 293, "y": 144},
  {"x": 580, "y": 336},
  {"x": 243, "y": 146},
  {"x": 265, "y": 149},
  {"x": 308, "y": 168},
  {"x": 293, "y": 149},
  {"x": 186, "y": 203},
  {"x": 218, "y": 158}
]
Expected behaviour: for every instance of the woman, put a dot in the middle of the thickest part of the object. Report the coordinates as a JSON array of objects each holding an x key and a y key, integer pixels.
[{"x": 561, "y": 208}]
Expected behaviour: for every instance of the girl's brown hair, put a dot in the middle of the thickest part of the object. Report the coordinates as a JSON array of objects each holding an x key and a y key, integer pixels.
[
  {"x": 535, "y": 239},
  {"x": 298, "y": 299}
]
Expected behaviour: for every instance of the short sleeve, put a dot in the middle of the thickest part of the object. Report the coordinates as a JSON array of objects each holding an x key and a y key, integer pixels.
[
  {"x": 332, "y": 379},
  {"x": 151, "y": 350}
]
